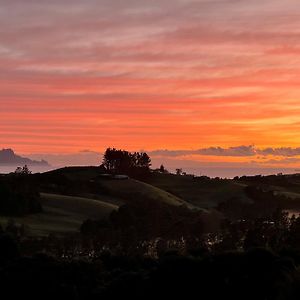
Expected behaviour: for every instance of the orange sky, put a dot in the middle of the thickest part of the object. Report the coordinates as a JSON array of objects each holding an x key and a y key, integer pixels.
[{"x": 150, "y": 75}]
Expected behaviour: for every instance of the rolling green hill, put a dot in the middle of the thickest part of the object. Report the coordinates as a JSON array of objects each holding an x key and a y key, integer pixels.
[
  {"x": 71, "y": 195},
  {"x": 90, "y": 184},
  {"x": 133, "y": 190},
  {"x": 63, "y": 214}
]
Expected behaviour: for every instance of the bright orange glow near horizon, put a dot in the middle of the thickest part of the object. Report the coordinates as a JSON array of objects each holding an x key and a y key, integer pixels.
[{"x": 173, "y": 75}]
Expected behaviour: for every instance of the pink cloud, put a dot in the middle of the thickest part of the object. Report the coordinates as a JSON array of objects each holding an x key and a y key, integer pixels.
[{"x": 181, "y": 74}]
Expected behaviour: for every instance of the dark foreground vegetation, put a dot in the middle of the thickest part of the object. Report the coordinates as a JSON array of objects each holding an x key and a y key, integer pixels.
[
  {"x": 159, "y": 234},
  {"x": 252, "y": 274}
]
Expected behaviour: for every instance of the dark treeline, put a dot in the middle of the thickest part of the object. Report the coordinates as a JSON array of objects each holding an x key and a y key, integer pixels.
[
  {"x": 254, "y": 274},
  {"x": 185, "y": 230},
  {"x": 121, "y": 161},
  {"x": 278, "y": 180},
  {"x": 156, "y": 229},
  {"x": 145, "y": 221}
]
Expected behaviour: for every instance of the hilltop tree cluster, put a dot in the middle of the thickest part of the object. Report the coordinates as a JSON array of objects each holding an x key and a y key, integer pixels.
[
  {"x": 122, "y": 161},
  {"x": 23, "y": 171}
]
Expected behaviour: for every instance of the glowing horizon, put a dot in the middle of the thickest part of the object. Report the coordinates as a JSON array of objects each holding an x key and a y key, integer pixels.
[{"x": 150, "y": 75}]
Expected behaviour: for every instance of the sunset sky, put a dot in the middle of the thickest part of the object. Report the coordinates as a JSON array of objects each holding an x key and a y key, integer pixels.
[{"x": 180, "y": 76}]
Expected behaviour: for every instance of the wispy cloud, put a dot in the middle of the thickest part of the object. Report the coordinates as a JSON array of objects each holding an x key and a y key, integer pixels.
[
  {"x": 182, "y": 74},
  {"x": 240, "y": 151}
]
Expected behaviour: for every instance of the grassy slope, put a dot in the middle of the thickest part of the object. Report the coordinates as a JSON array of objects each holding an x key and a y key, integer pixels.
[
  {"x": 169, "y": 188},
  {"x": 201, "y": 193},
  {"x": 120, "y": 191},
  {"x": 66, "y": 213},
  {"x": 134, "y": 190},
  {"x": 63, "y": 214}
]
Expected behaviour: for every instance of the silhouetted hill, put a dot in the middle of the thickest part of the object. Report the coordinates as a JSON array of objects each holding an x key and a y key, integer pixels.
[
  {"x": 81, "y": 181},
  {"x": 8, "y": 157},
  {"x": 82, "y": 188}
]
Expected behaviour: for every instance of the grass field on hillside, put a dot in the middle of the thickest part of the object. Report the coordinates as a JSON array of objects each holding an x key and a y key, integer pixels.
[
  {"x": 134, "y": 190},
  {"x": 201, "y": 193},
  {"x": 63, "y": 214},
  {"x": 117, "y": 191}
]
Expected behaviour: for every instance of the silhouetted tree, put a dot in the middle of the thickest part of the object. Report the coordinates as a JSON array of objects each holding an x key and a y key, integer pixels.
[
  {"x": 162, "y": 169},
  {"x": 179, "y": 171},
  {"x": 23, "y": 171},
  {"x": 144, "y": 161},
  {"x": 121, "y": 161}
]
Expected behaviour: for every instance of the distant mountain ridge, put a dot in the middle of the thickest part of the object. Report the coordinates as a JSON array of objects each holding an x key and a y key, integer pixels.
[{"x": 8, "y": 157}]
